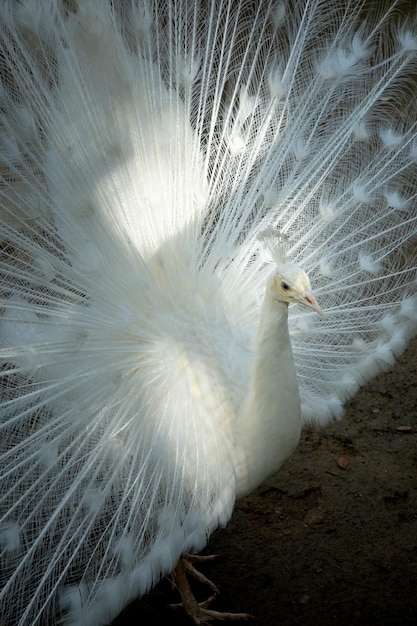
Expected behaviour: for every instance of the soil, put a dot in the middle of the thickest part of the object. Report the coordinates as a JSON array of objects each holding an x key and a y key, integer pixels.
[{"x": 332, "y": 537}]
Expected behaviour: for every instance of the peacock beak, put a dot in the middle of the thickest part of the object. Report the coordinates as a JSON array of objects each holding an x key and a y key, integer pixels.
[{"x": 309, "y": 300}]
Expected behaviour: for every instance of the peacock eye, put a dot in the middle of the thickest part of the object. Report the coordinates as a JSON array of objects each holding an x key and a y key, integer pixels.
[{"x": 285, "y": 286}]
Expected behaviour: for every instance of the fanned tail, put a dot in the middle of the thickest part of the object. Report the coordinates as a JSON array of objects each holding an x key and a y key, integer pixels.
[{"x": 144, "y": 148}]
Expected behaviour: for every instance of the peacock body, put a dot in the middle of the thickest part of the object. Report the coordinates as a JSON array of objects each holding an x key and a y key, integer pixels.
[{"x": 149, "y": 376}]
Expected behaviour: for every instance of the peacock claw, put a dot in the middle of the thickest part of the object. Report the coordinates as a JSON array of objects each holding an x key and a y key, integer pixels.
[
  {"x": 189, "y": 559},
  {"x": 198, "y": 611}
]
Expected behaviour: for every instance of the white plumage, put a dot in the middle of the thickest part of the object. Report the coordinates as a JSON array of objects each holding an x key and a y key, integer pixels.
[{"x": 147, "y": 372}]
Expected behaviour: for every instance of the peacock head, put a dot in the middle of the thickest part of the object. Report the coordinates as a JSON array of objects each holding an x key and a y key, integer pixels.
[{"x": 289, "y": 283}]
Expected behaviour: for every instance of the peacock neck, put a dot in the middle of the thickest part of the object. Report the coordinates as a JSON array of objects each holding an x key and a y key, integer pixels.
[{"x": 268, "y": 426}]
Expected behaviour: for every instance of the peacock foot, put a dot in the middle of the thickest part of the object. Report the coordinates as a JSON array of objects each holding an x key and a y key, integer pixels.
[{"x": 198, "y": 611}]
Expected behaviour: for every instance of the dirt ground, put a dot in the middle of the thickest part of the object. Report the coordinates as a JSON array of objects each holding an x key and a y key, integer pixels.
[{"x": 332, "y": 537}]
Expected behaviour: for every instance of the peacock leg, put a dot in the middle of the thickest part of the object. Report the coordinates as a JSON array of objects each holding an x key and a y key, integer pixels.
[{"x": 198, "y": 611}]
